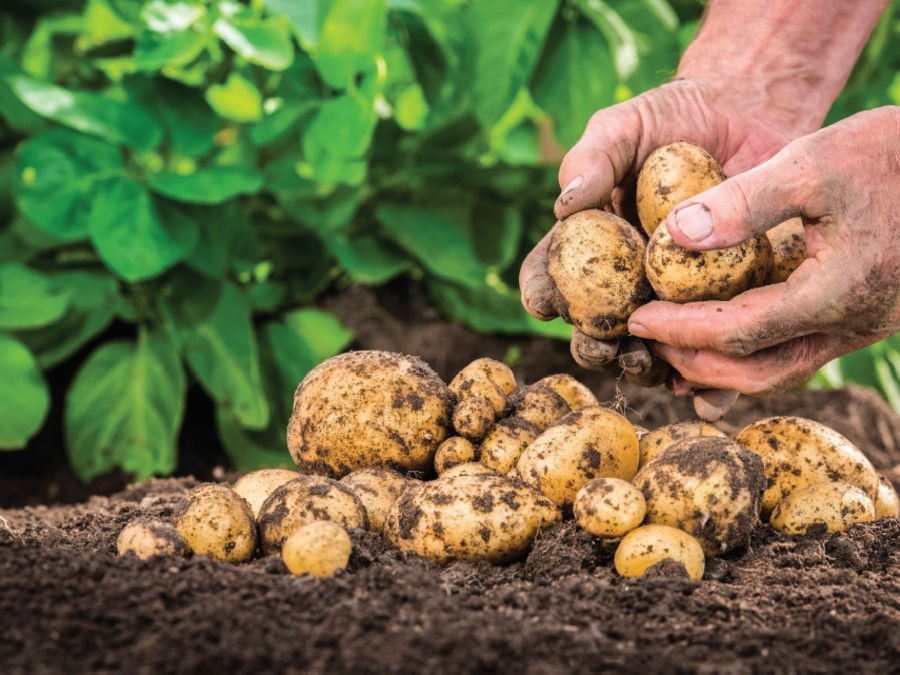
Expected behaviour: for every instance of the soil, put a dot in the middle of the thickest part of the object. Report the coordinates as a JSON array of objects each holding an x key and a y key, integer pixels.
[{"x": 817, "y": 603}]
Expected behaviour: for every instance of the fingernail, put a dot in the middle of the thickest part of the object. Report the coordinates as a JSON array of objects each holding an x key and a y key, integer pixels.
[
  {"x": 638, "y": 329},
  {"x": 573, "y": 185},
  {"x": 695, "y": 221}
]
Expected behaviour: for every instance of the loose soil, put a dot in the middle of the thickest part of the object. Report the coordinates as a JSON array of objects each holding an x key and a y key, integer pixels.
[{"x": 823, "y": 603}]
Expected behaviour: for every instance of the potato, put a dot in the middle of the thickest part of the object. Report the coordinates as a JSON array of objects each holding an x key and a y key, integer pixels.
[
  {"x": 654, "y": 442},
  {"x": 377, "y": 488},
  {"x": 887, "y": 501},
  {"x": 678, "y": 274},
  {"x": 575, "y": 394},
  {"x": 369, "y": 408},
  {"x": 596, "y": 261},
  {"x": 319, "y": 548},
  {"x": 797, "y": 452},
  {"x": 710, "y": 487},
  {"x": 216, "y": 521},
  {"x": 837, "y": 506},
  {"x": 670, "y": 175},
  {"x": 585, "y": 444},
  {"x": 302, "y": 501},
  {"x": 256, "y": 486},
  {"x": 146, "y": 537},
  {"x": 488, "y": 369},
  {"x": 485, "y": 389},
  {"x": 788, "y": 242},
  {"x": 651, "y": 545},
  {"x": 609, "y": 507},
  {"x": 472, "y": 417},
  {"x": 468, "y": 469},
  {"x": 455, "y": 450},
  {"x": 505, "y": 443},
  {"x": 468, "y": 517},
  {"x": 539, "y": 405}
]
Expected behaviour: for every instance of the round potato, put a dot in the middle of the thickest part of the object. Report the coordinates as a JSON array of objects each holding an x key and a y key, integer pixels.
[
  {"x": 654, "y": 442},
  {"x": 609, "y": 507},
  {"x": 483, "y": 388},
  {"x": 651, "y": 545},
  {"x": 788, "y": 249},
  {"x": 215, "y": 521},
  {"x": 670, "y": 175},
  {"x": 302, "y": 501},
  {"x": 369, "y": 408},
  {"x": 455, "y": 450},
  {"x": 837, "y": 506},
  {"x": 710, "y": 487},
  {"x": 146, "y": 537},
  {"x": 575, "y": 394},
  {"x": 539, "y": 405},
  {"x": 319, "y": 548},
  {"x": 505, "y": 443},
  {"x": 585, "y": 444},
  {"x": 472, "y": 417},
  {"x": 488, "y": 369},
  {"x": 797, "y": 452},
  {"x": 887, "y": 501},
  {"x": 377, "y": 488},
  {"x": 596, "y": 261},
  {"x": 256, "y": 486}
]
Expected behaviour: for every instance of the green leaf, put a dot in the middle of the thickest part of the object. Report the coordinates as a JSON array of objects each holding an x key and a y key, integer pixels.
[
  {"x": 136, "y": 236},
  {"x": 226, "y": 240},
  {"x": 90, "y": 113},
  {"x": 208, "y": 185},
  {"x": 350, "y": 36},
  {"x": 368, "y": 260},
  {"x": 159, "y": 51},
  {"x": 168, "y": 17},
  {"x": 28, "y": 299},
  {"x": 322, "y": 333},
  {"x": 24, "y": 399},
  {"x": 266, "y": 43},
  {"x": 305, "y": 17},
  {"x": 342, "y": 128},
  {"x": 237, "y": 99},
  {"x": 125, "y": 407},
  {"x": 250, "y": 450},
  {"x": 496, "y": 231}
]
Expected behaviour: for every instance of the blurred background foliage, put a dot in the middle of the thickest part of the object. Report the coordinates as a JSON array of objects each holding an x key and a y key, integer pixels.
[{"x": 181, "y": 179}]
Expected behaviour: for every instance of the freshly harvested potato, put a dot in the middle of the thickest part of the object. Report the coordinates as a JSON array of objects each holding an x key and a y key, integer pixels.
[
  {"x": 887, "y": 501},
  {"x": 369, "y": 408},
  {"x": 678, "y": 274},
  {"x": 596, "y": 262},
  {"x": 488, "y": 369},
  {"x": 797, "y": 452},
  {"x": 708, "y": 486},
  {"x": 146, "y": 537},
  {"x": 302, "y": 501},
  {"x": 472, "y": 417},
  {"x": 670, "y": 175},
  {"x": 256, "y": 486},
  {"x": 576, "y": 394},
  {"x": 651, "y": 545},
  {"x": 539, "y": 405},
  {"x": 585, "y": 444},
  {"x": 469, "y": 517},
  {"x": 483, "y": 388},
  {"x": 609, "y": 507},
  {"x": 788, "y": 249},
  {"x": 505, "y": 443},
  {"x": 654, "y": 442},
  {"x": 455, "y": 450},
  {"x": 216, "y": 521},
  {"x": 377, "y": 488},
  {"x": 319, "y": 548},
  {"x": 837, "y": 506},
  {"x": 467, "y": 469}
]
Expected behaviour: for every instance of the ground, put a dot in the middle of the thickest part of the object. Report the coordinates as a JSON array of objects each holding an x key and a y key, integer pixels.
[{"x": 825, "y": 603}]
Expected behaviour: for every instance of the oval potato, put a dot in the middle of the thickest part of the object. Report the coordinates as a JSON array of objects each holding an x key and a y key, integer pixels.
[
  {"x": 256, "y": 486},
  {"x": 539, "y": 405},
  {"x": 377, "y": 488},
  {"x": 837, "y": 506},
  {"x": 215, "y": 521},
  {"x": 472, "y": 417},
  {"x": 319, "y": 548},
  {"x": 651, "y": 545},
  {"x": 788, "y": 241},
  {"x": 455, "y": 450},
  {"x": 576, "y": 394},
  {"x": 489, "y": 369},
  {"x": 655, "y": 442},
  {"x": 609, "y": 507},
  {"x": 505, "y": 443},
  {"x": 146, "y": 537},
  {"x": 887, "y": 501}
]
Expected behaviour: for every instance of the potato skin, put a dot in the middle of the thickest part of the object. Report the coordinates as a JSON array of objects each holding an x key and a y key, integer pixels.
[
  {"x": 472, "y": 417},
  {"x": 649, "y": 545},
  {"x": 653, "y": 443},
  {"x": 539, "y": 405},
  {"x": 837, "y": 506},
  {"x": 319, "y": 548},
  {"x": 576, "y": 394},
  {"x": 489, "y": 369},
  {"x": 887, "y": 501},
  {"x": 377, "y": 488},
  {"x": 788, "y": 241},
  {"x": 369, "y": 408},
  {"x": 146, "y": 537},
  {"x": 468, "y": 469},
  {"x": 596, "y": 261},
  {"x": 215, "y": 521},
  {"x": 505, "y": 443},
  {"x": 256, "y": 486},
  {"x": 609, "y": 507},
  {"x": 453, "y": 451}
]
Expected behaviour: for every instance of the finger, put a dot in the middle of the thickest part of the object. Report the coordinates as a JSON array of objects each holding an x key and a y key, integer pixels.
[
  {"x": 634, "y": 356},
  {"x": 652, "y": 376},
  {"x": 712, "y": 404},
  {"x": 593, "y": 354},
  {"x": 536, "y": 286}
]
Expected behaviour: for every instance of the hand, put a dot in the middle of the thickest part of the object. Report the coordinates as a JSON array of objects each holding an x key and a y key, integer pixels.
[{"x": 845, "y": 182}]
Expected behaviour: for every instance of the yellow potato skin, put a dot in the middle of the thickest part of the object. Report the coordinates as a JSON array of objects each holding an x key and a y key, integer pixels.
[
  {"x": 576, "y": 394},
  {"x": 837, "y": 506},
  {"x": 505, "y": 443},
  {"x": 468, "y": 469},
  {"x": 215, "y": 521},
  {"x": 485, "y": 389},
  {"x": 377, "y": 488},
  {"x": 453, "y": 451},
  {"x": 539, "y": 405},
  {"x": 609, "y": 507},
  {"x": 472, "y": 417},
  {"x": 319, "y": 548},
  {"x": 489, "y": 369},
  {"x": 797, "y": 452},
  {"x": 652, "y": 443},
  {"x": 887, "y": 501},
  {"x": 650, "y": 545},
  {"x": 256, "y": 486},
  {"x": 146, "y": 537},
  {"x": 788, "y": 241}
]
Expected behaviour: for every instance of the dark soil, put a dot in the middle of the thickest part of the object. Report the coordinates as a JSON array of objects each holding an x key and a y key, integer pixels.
[{"x": 828, "y": 603}]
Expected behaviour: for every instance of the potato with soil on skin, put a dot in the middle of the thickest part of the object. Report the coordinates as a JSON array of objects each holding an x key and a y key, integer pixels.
[
  {"x": 473, "y": 417},
  {"x": 671, "y": 174},
  {"x": 576, "y": 394},
  {"x": 453, "y": 451},
  {"x": 215, "y": 521},
  {"x": 302, "y": 501},
  {"x": 483, "y": 388},
  {"x": 469, "y": 517},
  {"x": 505, "y": 443},
  {"x": 585, "y": 444},
  {"x": 710, "y": 487},
  {"x": 788, "y": 249},
  {"x": 887, "y": 501},
  {"x": 655, "y": 442},
  {"x": 539, "y": 405},
  {"x": 837, "y": 506},
  {"x": 319, "y": 548},
  {"x": 486, "y": 369},
  {"x": 256, "y": 486},
  {"x": 146, "y": 537},
  {"x": 377, "y": 488},
  {"x": 797, "y": 452},
  {"x": 466, "y": 469},
  {"x": 369, "y": 408},
  {"x": 609, "y": 507},
  {"x": 596, "y": 261},
  {"x": 650, "y": 545}
]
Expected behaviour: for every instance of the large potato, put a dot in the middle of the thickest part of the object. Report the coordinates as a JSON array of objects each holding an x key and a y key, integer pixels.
[
  {"x": 837, "y": 506},
  {"x": 216, "y": 521},
  {"x": 797, "y": 452},
  {"x": 788, "y": 241},
  {"x": 596, "y": 261},
  {"x": 488, "y": 369},
  {"x": 377, "y": 488},
  {"x": 256, "y": 486},
  {"x": 655, "y": 442},
  {"x": 369, "y": 408},
  {"x": 710, "y": 487},
  {"x": 650, "y": 545},
  {"x": 585, "y": 444},
  {"x": 468, "y": 517}
]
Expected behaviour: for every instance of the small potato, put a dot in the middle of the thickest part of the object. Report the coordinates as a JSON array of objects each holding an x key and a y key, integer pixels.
[
  {"x": 583, "y": 445},
  {"x": 319, "y": 548},
  {"x": 609, "y": 507},
  {"x": 302, "y": 501},
  {"x": 887, "y": 501},
  {"x": 651, "y": 545},
  {"x": 670, "y": 175},
  {"x": 505, "y": 443},
  {"x": 835, "y": 505},
  {"x": 468, "y": 469},
  {"x": 217, "y": 522},
  {"x": 489, "y": 369},
  {"x": 539, "y": 405},
  {"x": 574, "y": 393},
  {"x": 377, "y": 488},
  {"x": 256, "y": 486},
  {"x": 654, "y": 442},
  {"x": 797, "y": 452},
  {"x": 146, "y": 537},
  {"x": 485, "y": 389},
  {"x": 788, "y": 249},
  {"x": 473, "y": 417},
  {"x": 455, "y": 450}
]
